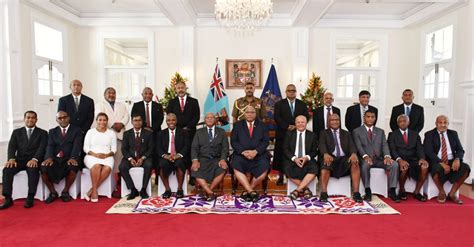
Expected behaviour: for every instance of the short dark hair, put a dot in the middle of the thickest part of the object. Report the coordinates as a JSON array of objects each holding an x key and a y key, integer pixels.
[
  {"x": 249, "y": 83},
  {"x": 407, "y": 90},
  {"x": 102, "y": 114},
  {"x": 369, "y": 111},
  {"x": 134, "y": 115},
  {"x": 364, "y": 92},
  {"x": 30, "y": 112}
]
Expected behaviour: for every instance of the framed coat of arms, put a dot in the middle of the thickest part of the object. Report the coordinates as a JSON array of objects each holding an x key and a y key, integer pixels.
[{"x": 241, "y": 71}]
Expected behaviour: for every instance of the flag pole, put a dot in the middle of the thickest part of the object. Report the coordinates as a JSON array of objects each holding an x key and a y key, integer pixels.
[
  {"x": 272, "y": 60},
  {"x": 217, "y": 59}
]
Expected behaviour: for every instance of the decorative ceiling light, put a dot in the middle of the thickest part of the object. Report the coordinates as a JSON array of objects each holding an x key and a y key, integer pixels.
[{"x": 243, "y": 15}]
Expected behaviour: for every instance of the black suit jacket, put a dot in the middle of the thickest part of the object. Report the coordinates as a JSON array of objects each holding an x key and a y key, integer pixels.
[
  {"x": 327, "y": 144},
  {"x": 417, "y": 117},
  {"x": 129, "y": 142},
  {"x": 283, "y": 118},
  {"x": 310, "y": 144},
  {"x": 318, "y": 118},
  {"x": 432, "y": 144},
  {"x": 398, "y": 149},
  {"x": 241, "y": 140},
  {"x": 20, "y": 148},
  {"x": 181, "y": 142},
  {"x": 71, "y": 144},
  {"x": 156, "y": 114},
  {"x": 190, "y": 117},
  {"x": 353, "y": 118},
  {"x": 82, "y": 118}
]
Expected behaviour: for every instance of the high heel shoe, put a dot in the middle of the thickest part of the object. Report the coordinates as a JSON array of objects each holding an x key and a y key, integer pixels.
[
  {"x": 87, "y": 196},
  {"x": 94, "y": 200}
]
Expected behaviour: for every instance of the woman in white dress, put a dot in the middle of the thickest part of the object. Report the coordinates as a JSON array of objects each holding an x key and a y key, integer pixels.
[{"x": 100, "y": 145}]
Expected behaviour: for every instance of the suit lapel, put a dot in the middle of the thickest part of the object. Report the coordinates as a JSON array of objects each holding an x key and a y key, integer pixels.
[{"x": 307, "y": 141}]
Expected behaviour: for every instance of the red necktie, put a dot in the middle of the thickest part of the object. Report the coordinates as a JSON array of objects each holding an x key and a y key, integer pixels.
[
  {"x": 405, "y": 137},
  {"x": 173, "y": 149},
  {"x": 369, "y": 132},
  {"x": 64, "y": 132},
  {"x": 148, "y": 116},
  {"x": 250, "y": 130},
  {"x": 327, "y": 117},
  {"x": 137, "y": 145},
  {"x": 182, "y": 104},
  {"x": 444, "y": 150}
]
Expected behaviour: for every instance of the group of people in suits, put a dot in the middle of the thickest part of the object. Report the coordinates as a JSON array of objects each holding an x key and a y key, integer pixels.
[{"x": 300, "y": 154}]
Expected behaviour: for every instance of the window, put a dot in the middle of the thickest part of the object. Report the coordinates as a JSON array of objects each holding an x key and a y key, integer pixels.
[
  {"x": 357, "y": 66},
  {"x": 439, "y": 45},
  {"x": 48, "y": 42}
]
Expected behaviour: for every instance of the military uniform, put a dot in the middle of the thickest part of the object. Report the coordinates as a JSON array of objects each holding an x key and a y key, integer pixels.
[{"x": 240, "y": 105}]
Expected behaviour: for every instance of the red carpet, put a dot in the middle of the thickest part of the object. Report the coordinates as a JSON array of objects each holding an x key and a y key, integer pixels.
[{"x": 80, "y": 223}]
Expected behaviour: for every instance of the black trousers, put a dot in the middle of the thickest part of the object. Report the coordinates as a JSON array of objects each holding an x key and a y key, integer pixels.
[
  {"x": 33, "y": 177},
  {"x": 125, "y": 167}
]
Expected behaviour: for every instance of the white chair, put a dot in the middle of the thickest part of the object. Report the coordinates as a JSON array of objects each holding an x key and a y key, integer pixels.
[
  {"x": 379, "y": 182},
  {"x": 73, "y": 190},
  {"x": 340, "y": 186},
  {"x": 137, "y": 177},
  {"x": 20, "y": 187},
  {"x": 173, "y": 181},
  {"x": 290, "y": 186},
  {"x": 105, "y": 189},
  {"x": 431, "y": 190}
]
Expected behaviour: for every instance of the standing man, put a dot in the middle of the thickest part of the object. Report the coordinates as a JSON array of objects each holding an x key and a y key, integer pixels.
[
  {"x": 63, "y": 156},
  {"x": 375, "y": 153},
  {"x": 118, "y": 119},
  {"x": 405, "y": 146},
  {"x": 241, "y": 104},
  {"x": 209, "y": 152},
  {"x": 25, "y": 152},
  {"x": 322, "y": 113},
  {"x": 151, "y": 112},
  {"x": 137, "y": 150},
  {"x": 78, "y": 107},
  {"x": 413, "y": 111},
  {"x": 355, "y": 113},
  {"x": 445, "y": 155},
  {"x": 285, "y": 113}
]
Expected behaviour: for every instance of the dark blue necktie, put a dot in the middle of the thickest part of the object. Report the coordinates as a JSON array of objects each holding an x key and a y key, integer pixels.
[
  {"x": 407, "y": 112},
  {"x": 210, "y": 135}
]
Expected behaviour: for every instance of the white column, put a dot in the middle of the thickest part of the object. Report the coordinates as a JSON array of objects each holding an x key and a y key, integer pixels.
[
  {"x": 300, "y": 56},
  {"x": 187, "y": 65}
]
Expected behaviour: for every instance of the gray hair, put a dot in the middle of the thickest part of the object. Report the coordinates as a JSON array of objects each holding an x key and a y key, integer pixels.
[{"x": 403, "y": 116}]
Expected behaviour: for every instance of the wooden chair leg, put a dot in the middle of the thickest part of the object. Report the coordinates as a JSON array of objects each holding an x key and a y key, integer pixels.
[{"x": 235, "y": 183}]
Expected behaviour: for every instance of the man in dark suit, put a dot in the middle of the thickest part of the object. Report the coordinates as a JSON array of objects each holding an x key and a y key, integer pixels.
[
  {"x": 373, "y": 148},
  {"x": 249, "y": 141},
  {"x": 284, "y": 114},
  {"x": 25, "y": 151},
  {"x": 355, "y": 113},
  {"x": 338, "y": 157},
  {"x": 412, "y": 110},
  {"x": 186, "y": 109},
  {"x": 209, "y": 152},
  {"x": 171, "y": 147},
  {"x": 405, "y": 147},
  {"x": 300, "y": 150},
  {"x": 445, "y": 155},
  {"x": 78, "y": 106},
  {"x": 322, "y": 113},
  {"x": 151, "y": 112},
  {"x": 137, "y": 150},
  {"x": 62, "y": 158}
]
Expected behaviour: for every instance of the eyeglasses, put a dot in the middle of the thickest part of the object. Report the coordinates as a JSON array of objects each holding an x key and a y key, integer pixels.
[
  {"x": 61, "y": 118},
  {"x": 291, "y": 90}
]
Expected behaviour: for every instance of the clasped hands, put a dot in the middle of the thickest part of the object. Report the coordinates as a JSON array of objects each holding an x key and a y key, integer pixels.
[{"x": 249, "y": 154}]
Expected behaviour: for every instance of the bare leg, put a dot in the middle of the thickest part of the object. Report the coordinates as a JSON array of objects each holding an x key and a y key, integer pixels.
[
  {"x": 438, "y": 183},
  {"x": 295, "y": 181},
  {"x": 355, "y": 175},
  {"x": 242, "y": 178},
  {"x": 258, "y": 180},
  {"x": 457, "y": 184},
  {"x": 71, "y": 176},
  {"x": 95, "y": 177},
  {"x": 165, "y": 180},
  {"x": 48, "y": 183},
  {"x": 403, "y": 179},
  {"x": 306, "y": 180},
  {"x": 204, "y": 186},
  {"x": 180, "y": 175},
  {"x": 421, "y": 180},
  {"x": 217, "y": 180},
  {"x": 325, "y": 174},
  {"x": 104, "y": 174}
]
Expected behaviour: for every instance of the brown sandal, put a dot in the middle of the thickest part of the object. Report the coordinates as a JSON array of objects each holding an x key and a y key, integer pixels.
[
  {"x": 455, "y": 199},
  {"x": 294, "y": 194},
  {"x": 441, "y": 198},
  {"x": 307, "y": 193}
]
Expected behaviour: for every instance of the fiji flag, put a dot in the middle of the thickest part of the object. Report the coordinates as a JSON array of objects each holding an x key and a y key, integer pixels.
[
  {"x": 217, "y": 101},
  {"x": 271, "y": 94}
]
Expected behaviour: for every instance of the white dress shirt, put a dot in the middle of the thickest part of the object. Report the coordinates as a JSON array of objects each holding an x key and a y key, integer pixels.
[{"x": 296, "y": 145}]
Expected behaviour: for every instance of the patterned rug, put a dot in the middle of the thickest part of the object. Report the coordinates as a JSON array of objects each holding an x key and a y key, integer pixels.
[{"x": 228, "y": 204}]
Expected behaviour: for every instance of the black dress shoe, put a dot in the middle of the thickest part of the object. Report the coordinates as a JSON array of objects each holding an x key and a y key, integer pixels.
[
  {"x": 133, "y": 194},
  {"x": 65, "y": 197},
  {"x": 420, "y": 197},
  {"x": 246, "y": 196},
  {"x": 323, "y": 197},
  {"x": 393, "y": 195},
  {"x": 143, "y": 194},
  {"x": 280, "y": 181},
  {"x": 403, "y": 195},
  {"x": 180, "y": 194},
  {"x": 7, "y": 203},
  {"x": 254, "y": 196},
  {"x": 357, "y": 197},
  {"x": 29, "y": 202},
  {"x": 166, "y": 195},
  {"x": 212, "y": 197},
  {"x": 368, "y": 195},
  {"x": 192, "y": 181},
  {"x": 51, "y": 198}
]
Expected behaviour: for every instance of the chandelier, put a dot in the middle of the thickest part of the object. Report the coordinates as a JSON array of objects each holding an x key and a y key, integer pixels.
[{"x": 243, "y": 14}]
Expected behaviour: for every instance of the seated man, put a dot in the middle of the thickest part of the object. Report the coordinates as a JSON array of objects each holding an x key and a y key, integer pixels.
[
  {"x": 62, "y": 157},
  {"x": 137, "y": 150},
  {"x": 249, "y": 141},
  {"x": 372, "y": 146},
  {"x": 171, "y": 147},
  {"x": 25, "y": 151},
  {"x": 300, "y": 149},
  {"x": 338, "y": 157},
  {"x": 405, "y": 146},
  {"x": 209, "y": 153},
  {"x": 445, "y": 154}
]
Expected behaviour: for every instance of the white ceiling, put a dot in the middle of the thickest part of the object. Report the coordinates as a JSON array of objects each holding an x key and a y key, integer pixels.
[{"x": 296, "y": 13}]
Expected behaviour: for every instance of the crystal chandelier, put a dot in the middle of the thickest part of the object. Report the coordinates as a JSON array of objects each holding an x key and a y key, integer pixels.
[{"x": 243, "y": 14}]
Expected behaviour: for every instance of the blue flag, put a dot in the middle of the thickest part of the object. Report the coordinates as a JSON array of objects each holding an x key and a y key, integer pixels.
[
  {"x": 271, "y": 94},
  {"x": 217, "y": 101}
]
